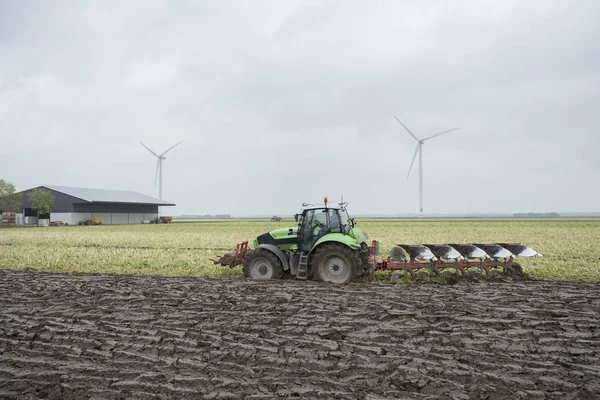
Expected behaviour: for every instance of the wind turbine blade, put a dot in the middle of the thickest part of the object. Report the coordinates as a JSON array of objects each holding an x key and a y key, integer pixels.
[
  {"x": 407, "y": 130},
  {"x": 438, "y": 134},
  {"x": 413, "y": 160},
  {"x": 169, "y": 149},
  {"x": 156, "y": 175},
  {"x": 149, "y": 149}
]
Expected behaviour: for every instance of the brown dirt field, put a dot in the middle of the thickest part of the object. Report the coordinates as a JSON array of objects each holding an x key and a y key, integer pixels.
[{"x": 68, "y": 336}]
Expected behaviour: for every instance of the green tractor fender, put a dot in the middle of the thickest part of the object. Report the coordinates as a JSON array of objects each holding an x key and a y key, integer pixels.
[
  {"x": 273, "y": 249},
  {"x": 346, "y": 240}
]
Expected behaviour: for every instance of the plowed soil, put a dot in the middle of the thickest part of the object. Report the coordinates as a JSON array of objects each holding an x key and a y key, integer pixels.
[{"x": 115, "y": 336}]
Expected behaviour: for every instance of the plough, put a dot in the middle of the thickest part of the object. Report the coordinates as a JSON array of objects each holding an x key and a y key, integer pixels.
[{"x": 463, "y": 259}]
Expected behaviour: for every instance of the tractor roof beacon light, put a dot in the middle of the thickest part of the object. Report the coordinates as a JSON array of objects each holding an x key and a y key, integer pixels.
[{"x": 325, "y": 200}]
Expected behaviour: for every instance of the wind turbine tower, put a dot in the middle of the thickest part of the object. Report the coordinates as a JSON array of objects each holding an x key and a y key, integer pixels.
[
  {"x": 159, "y": 172},
  {"x": 419, "y": 150}
]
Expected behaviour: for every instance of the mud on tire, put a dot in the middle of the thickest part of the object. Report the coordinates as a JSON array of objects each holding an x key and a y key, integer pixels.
[
  {"x": 262, "y": 264},
  {"x": 335, "y": 263},
  {"x": 364, "y": 256}
]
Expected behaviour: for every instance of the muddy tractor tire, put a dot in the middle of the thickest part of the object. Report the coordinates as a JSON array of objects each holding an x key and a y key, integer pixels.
[
  {"x": 262, "y": 264},
  {"x": 335, "y": 263}
]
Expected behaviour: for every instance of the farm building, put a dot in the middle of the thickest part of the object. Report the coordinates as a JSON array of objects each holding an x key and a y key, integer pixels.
[{"x": 72, "y": 205}]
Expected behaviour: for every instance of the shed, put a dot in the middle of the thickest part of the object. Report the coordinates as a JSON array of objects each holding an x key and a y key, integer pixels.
[{"x": 73, "y": 204}]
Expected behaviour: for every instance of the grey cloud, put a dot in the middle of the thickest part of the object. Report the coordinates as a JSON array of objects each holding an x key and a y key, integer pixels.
[{"x": 284, "y": 102}]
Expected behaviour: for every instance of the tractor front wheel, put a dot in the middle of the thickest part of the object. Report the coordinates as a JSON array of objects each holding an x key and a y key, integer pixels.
[
  {"x": 262, "y": 264},
  {"x": 335, "y": 263}
]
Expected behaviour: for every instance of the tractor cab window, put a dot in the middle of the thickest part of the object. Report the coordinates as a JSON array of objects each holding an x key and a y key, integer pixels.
[
  {"x": 319, "y": 219},
  {"x": 317, "y": 223},
  {"x": 309, "y": 227},
  {"x": 345, "y": 220},
  {"x": 334, "y": 221}
]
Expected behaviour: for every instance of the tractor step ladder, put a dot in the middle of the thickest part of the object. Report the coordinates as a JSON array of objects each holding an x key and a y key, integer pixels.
[{"x": 302, "y": 266}]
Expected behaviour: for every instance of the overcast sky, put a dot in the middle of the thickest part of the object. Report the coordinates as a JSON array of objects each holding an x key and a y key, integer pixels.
[{"x": 284, "y": 102}]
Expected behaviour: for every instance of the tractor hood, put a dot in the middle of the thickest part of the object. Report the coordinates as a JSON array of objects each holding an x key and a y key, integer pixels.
[
  {"x": 284, "y": 238},
  {"x": 284, "y": 232},
  {"x": 287, "y": 238}
]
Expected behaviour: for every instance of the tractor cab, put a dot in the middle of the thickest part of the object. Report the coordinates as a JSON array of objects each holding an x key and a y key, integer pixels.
[{"x": 318, "y": 220}]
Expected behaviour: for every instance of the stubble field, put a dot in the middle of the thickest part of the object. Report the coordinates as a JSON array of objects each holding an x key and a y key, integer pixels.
[{"x": 570, "y": 247}]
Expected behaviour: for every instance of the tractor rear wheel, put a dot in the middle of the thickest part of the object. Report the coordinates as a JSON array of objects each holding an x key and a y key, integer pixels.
[
  {"x": 262, "y": 264},
  {"x": 335, "y": 263}
]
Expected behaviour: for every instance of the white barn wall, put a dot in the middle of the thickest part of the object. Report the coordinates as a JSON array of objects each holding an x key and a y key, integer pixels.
[
  {"x": 120, "y": 218},
  {"x": 137, "y": 218},
  {"x": 107, "y": 218},
  {"x": 150, "y": 216},
  {"x": 114, "y": 218},
  {"x": 64, "y": 217},
  {"x": 77, "y": 217}
]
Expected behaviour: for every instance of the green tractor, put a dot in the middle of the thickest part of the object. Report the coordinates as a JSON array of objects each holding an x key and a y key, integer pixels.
[{"x": 325, "y": 246}]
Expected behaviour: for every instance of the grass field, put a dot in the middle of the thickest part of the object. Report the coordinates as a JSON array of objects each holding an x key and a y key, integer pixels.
[{"x": 570, "y": 247}]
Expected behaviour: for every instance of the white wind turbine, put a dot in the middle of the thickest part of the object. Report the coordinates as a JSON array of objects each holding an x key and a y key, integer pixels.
[
  {"x": 419, "y": 150},
  {"x": 159, "y": 161}
]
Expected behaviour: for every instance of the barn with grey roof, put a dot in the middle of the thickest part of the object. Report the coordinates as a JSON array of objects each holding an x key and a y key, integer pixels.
[{"x": 73, "y": 205}]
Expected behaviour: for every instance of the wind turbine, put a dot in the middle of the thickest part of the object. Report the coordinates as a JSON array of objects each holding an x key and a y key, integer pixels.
[
  {"x": 419, "y": 150},
  {"x": 159, "y": 167}
]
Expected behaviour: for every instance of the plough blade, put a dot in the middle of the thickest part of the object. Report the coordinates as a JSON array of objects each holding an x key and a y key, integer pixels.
[
  {"x": 470, "y": 251},
  {"x": 397, "y": 253},
  {"x": 520, "y": 250},
  {"x": 418, "y": 252},
  {"x": 444, "y": 251},
  {"x": 495, "y": 250}
]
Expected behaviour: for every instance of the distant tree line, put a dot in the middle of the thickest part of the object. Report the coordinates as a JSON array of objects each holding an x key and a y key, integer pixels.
[{"x": 536, "y": 215}]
